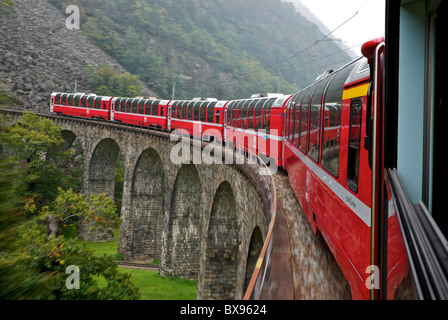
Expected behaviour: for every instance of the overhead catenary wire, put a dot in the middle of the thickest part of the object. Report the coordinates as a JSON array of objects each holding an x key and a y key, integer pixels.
[{"x": 318, "y": 41}]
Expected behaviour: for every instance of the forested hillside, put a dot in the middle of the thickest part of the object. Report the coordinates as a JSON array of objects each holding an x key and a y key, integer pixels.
[{"x": 219, "y": 48}]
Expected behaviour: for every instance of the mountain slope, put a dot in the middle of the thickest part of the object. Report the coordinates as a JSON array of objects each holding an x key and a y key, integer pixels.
[
  {"x": 38, "y": 54},
  {"x": 222, "y": 48}
]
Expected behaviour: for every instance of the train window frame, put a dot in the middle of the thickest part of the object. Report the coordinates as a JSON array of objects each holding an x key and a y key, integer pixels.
[
  {"x": 141, "y": 106},
  {"x": 91, "y": 102},
  {"x": 64, "y": 98},
  {"x": 117, "y": 104},
  {"x": 251, "y": 114},
  {"x": 197, "y": 111},
  {"x": 155, "y": 108},
  {"x": 245, "y": 114},
  {"x": 83, "y": 101},
  {"x": 287, "y": 125},
  {"x": 338, "y": 81},
  {"x": 97, "y": 102},
  {"x": 148, "y": 104},
  {"x": 211, "y": 112},
  {"x": 316, "y": 100},
  {"x": 354, "y": 152},
  {"x": 70, "y": 99},
  {"x": 237, "y": 114},
  {"x": 258, "y": 114},
  {"x": 304, "y": 108},
  {"x": 294, "y": 104},
  {"x": 190, "y": 109}
]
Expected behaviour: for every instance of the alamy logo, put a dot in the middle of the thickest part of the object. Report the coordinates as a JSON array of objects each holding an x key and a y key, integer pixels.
[
  {"x": 72, "y": 281},
  {"x": 373, "y": 280},
  {"x": 73, "y": 21}
]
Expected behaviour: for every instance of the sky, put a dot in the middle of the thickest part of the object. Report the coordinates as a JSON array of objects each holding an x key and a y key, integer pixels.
[{"x": 369, "y": 23}]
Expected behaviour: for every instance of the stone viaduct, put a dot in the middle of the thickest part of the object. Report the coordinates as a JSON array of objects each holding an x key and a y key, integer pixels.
[{"x": 204, "y": 222}]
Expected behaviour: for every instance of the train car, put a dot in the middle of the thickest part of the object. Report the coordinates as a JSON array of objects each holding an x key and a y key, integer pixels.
[
  {"x": 81, "y": 105},
  {"x": 327, "y": 162},
  {"x": 256, "y": 125},
  {"x": 202, "y": 117},
  {"x": 140, "y": 112}
]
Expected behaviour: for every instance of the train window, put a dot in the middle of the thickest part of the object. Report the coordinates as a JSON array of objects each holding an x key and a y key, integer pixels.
[
  {"x": 134, "y": 106},
  {"x": 78, "y": 100},
  {"x": 70, "y": 100},
  {"x": 291, "y": 115},
  {"x": 354, "y": 145},
  {"x": 190, "y": 110},
  {"x": 98, "y": 102},
  {"x": 125, "y": 104},
  {"x": 204, "y": 111},
  {"x": 267, "y": 115},
  {"x": 251, "y": 114},
  {"x": 235, "y": 114},
  {"x": 148, "y": 107},
  {"x": 83, "y": 102},
  {"x": 211, "y": 111},
  {"x": 179, "y": 109},
  {"x": 155, "y": 108},
  {"x": 141, "y": 106},
  {"x": 288, "y": 118},
  {"x": 230, "y": 115},
  {"x": 91, "y": 102},
  {"x": 295, "y": 126},
  {"x": 197, "y": 110},
  {"x": 64, "y": 100},
  {"x": 301, "y": 131},
  {"x": 58, "y": 98},
  {"x": 315, "y": 117},
  {"x": 245, "y": 114},
  {"x": 183, "y": 104},
  {"x": 332, "y": 124},
  {"x": 258, "y": 113}
]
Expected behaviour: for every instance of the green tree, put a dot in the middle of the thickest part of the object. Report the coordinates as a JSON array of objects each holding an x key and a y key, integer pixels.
[
  {"x": 98, "y": 209},
  {"x": 104, "y": 81},
  {"x": 37, "y": 145},
  {"x": 33, "y": 264}
]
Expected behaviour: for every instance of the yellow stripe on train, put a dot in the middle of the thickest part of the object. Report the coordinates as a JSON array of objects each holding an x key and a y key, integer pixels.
[{"x": 355, "y": 92}]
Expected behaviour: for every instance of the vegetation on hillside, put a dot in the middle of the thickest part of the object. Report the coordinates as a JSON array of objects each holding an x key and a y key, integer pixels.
[
  {"x": 220, "y": 48},
  {"x": 34, "y": 256}
]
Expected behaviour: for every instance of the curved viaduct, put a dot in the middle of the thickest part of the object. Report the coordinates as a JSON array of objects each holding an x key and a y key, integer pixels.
[{"x": 203, "y": 222}]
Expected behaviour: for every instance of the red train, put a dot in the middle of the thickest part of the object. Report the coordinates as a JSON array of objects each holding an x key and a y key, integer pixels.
[{"x": 321, "y": 136}]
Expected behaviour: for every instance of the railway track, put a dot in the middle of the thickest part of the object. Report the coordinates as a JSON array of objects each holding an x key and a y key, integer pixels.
[{"x": 136, "y": 265}]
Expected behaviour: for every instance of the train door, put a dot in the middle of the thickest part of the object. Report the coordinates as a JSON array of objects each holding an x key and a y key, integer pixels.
[
  {"x": 52, "y": 104},
  {"x": 169, "y": 117},
  {"x": 112, "y": 110},
  {"x": 225, "y": 124}
]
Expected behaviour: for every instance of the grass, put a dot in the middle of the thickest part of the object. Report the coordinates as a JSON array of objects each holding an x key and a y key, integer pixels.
[
  {"x": 155, "y": 287},
  {"x": 152, "y": 286}
]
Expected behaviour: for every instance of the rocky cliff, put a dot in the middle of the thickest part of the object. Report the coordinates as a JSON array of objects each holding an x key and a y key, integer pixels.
[{"x": 39, "y": 55}]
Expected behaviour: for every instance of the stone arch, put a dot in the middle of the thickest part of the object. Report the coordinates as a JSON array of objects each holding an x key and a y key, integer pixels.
[
  {"x": 255, "y": 247},
  {"x": 100, "y": 178},
  {"x": 147, "y": 192},
  {"x": 185, "y": 225},
  {"x": 222, "y": 246},
  {"x": 69, "y": 137},
  {"x": 74, "y": 142}
]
